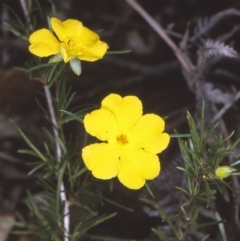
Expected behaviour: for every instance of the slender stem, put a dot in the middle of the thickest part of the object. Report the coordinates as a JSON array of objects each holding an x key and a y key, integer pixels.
[
  {"x": 26, "y": 14},
  {"x": 24, "y": 7},
  {"x": 183, "y": 59},
  {"x": 59, "y": 155},
  {"x": 54, "y": 121},
  {"x": 59, "y": 114},
  {"x": 63, "y": 197}
]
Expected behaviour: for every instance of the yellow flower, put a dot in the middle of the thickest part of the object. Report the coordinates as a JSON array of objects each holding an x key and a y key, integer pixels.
[
  {"x": 130, "y": 141},
  {"x": 73, "y": 41}
]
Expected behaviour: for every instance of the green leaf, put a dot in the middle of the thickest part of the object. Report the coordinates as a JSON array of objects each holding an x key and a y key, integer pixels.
[
  {"x": 96, "y": 222},
  {"x": 194, "y": 215},
  {"x": 235, "y": 174},
  {"x": 119, "y": 51},
  {"x": 28, "y": 152},
  {"x": 117, "y": 204},
  {"x": 30, "y": 144},
  {"x": 163, "y": 214},
  {"x": 56, "y": 74},
  {"x": 183, "y": 190},
  {"x": 205, "y": 237},
  {"x": 161, "y": 235},
  {"x": 75, "y": 65},
  {"x": 149, "y": 190},
  {"x": 36, "y": 168},
  {"x": 195, "y": 135},
  {"x": 221, "y": 226},
  {"x": 14, "y": 30},
  {"x": 182, "y": 169},
  {"x": 79, "y": 173},
  {"x": 72, "y": 115},
  {"x": 55, "y": 59},
  {"x": 180, "y": 135},
  {"x": 53, "y": 8},
  {"x": 108, "y": 238},
  {"x": 40, "y": 66}
]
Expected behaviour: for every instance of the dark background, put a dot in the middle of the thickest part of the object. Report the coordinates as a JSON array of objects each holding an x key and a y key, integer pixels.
[{"x": 151, "y": 71}]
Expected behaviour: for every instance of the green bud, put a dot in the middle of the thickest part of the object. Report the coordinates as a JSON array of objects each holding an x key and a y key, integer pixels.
[
  {"x": 76, "y": 66},
  {"x": 224, "y": 171},
  {"x": 56, "y": 58}
]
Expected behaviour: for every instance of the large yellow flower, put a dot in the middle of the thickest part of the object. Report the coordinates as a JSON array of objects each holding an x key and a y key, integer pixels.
[
  {"x": 73, "y": 40},
  {"x": 130, "y": 141}
]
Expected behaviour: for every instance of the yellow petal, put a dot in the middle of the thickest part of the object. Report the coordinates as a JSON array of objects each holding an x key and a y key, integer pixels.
[
  {"x": 137, "y": 166},
  {"x": 88, "y": 46},
  {"x": 78, "y": 41},
  {"x": 94, "y": 52},
  {"x": 64, "y": 54},
  {"x": 87, "y": 37},
  {"x": 147, "y": 134},
  {"x": 102, "y": 159},
  {"x": 67, "y": 29},
  {"x": 127, "y": 110},
  {"x": 43, "y": 43},
  {"x": 101, "y": 124}
]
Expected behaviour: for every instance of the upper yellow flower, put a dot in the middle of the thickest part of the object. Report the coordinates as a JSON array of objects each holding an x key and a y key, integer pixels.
[
  {"x": 130, "y": 141},
  {"x": 73, "y": 40}
]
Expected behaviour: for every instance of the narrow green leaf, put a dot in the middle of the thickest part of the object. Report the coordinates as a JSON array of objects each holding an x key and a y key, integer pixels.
[
  {"x": 75, "y": 65},
  {"x": 52, "y": 72},
  {"x": 180, "y": 135},
  {"x": 53, "y": 8},
  {"x": 207, "y": 224},
  {"x": 161, "y": 235},
  {"x": 28, "y": 152},
  {"x": 72, "y": 115},
  {"x": 183, "y": 211},
  {"x": 195, "y": 135},
  {"x": 57, "y": 75},
  {"x": 149, "y": 190},
  {"x": 194, "y": 215},
  {"x": 30, "y": 144},
  {"x": 55, "y": 59},
  {"x": 117, "y": 204},
  {"x": 221, "y": 226},
  {"x": 36, "y": 168},
  {"x": 109, "y": 238},
  {"x": 183, "y": 190},
  {"x": 119, "y": 51},
  {"x": 16, "y": 16},
  {"x": 40, "y": 66},
  {"x": 202, "y": 123},
  {"x": 97, "y": 222},
  {"x": 205, "y": 237},
  {"x": 79, "y": 173},
  {"x": 227, "y": 138},
  {"x": 182, "y": 169},
  {"x": 235, "y": 174}
]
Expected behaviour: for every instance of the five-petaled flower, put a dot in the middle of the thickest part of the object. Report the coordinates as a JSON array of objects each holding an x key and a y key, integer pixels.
[
  {"x": 73, "y": 41},
  {"x": 130, "y": 141}
]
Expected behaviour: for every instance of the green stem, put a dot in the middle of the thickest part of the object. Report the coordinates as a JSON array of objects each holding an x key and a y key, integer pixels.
[{"x": 63, "y": 197}]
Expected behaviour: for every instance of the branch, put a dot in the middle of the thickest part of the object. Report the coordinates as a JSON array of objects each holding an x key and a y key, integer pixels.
[
  {"x": 63, "y": 197},
  {"x": 182, "y": 58}
]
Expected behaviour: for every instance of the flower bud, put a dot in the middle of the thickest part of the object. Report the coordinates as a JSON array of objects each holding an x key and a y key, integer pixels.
[{"x": 224, "y": 171}]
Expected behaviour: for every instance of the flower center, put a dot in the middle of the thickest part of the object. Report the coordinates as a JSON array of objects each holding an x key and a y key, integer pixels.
[
  {"x": 70, "y": 44},
  {"x": 122, "y": 139}
]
